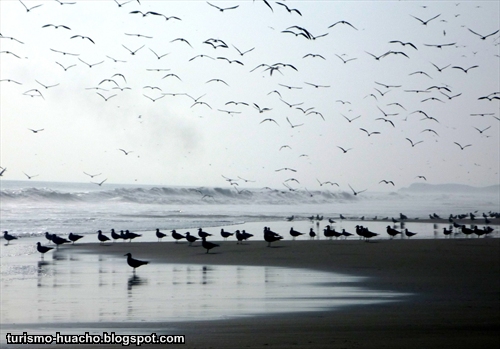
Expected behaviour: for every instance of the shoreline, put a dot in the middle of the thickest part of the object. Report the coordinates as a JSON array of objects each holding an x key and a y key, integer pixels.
[{"x": 454, "y": 289}]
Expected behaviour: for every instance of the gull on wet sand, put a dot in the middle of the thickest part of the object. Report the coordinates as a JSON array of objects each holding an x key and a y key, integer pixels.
[
  {"x": 134, "y": 263},
  {"x": 8, "y": 237},
  {"x": 207, "y": 244},
  {"x": 43, "y": 249}
]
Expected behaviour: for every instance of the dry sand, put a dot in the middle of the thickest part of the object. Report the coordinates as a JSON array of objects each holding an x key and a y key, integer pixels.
[{"x": 455, "y": 287}]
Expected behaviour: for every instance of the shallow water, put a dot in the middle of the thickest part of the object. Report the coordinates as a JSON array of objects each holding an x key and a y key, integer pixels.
[{"x": 71, "y": 287}]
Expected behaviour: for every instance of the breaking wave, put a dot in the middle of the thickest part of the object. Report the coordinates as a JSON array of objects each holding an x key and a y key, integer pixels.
[{"x": 184, "y": 196}]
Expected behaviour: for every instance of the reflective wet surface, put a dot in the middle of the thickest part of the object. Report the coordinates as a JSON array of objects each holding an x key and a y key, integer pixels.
[{"x": 69, "y": 287}]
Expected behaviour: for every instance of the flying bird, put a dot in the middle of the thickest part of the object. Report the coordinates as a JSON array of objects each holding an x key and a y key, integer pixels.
[
  {"x": 345, "y": 60},
  {"x": 430, "y": 130},
  {"x": 222, "y": 9},
  {"x": 403, "y": 43},
  {"x": 46, "y": 86},
  {"x": 269, "y": 119},
  {"x": 159, "y": 56},
  {"x": 30, "y": 8},
  {"x": 462, "y": 147},
  {"x": 413, "y": 144},
  {"x": 91, "y": 175},
  {"x": 100, "y": 183},
  {"x": 386, "y": 182},
  {"x": 351, "y": 120},
  {"x": 65, "y": 53},
  {"x": 481, "y": 131},
  {"x": 90, "y": 65},
  {"x": 293, "y": 126},
  {"x": 466, "y": 70},
  {"x": 314, "y": 55},
  {"x": 427, "y": 21},
  {"x": 441, "y": 45},
  {"x": 440, "y": 69},
  {"x": 56, "y": 26},
  {"x": 290, "y": 10},
  {"x": 356, "y": 192},
  {"x": 327, "y": 182},
  {"x": 132, "y": 52},
  {"x": 28, "y": 176},
  {"x": 106, "y": 98},
  {"x": 370, "y": 133},
  {"x": 243, "y": 52},
  {"x": 344, "y": 150},
  {"x": 481, "y": 36},
  {"x": 83, "y": 37},
  {"x": 342, "y": 22}
]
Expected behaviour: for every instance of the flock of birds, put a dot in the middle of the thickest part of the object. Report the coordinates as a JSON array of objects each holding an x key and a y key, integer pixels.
[
  {"x": 293, "y": 99},
  {"x": 270, "y": 236}
]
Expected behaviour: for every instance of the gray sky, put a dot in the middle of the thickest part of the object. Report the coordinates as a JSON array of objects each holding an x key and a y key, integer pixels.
[{"x": 174, "y": 141}]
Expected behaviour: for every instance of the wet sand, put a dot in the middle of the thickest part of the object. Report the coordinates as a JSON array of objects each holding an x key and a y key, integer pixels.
[{"x": 454, "y": 283}]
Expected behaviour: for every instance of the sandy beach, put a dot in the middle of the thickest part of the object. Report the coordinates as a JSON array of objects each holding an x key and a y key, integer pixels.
[{"x": 453, "y": 285}]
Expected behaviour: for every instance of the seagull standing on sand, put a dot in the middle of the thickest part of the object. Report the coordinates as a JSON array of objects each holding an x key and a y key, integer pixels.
[
  {"x": 295, "y": 233},
  {"x": 271, "y": 236},
  {"x": 177, "y": 236},
  {"x": 312, "y": 234},
  {"x": 102, "y": 238},
  {"x": 134, "y": 263},
  {"x": 74, "y": 237},
  {"x": 43, "y": 249},
  {"x": 225, "y": 234},
  {"x": 8, "y": 237},
  {"x": 207, "y": 244},
  {"x": 159, "y": 234},
  {"x": 191, "y": 238}
]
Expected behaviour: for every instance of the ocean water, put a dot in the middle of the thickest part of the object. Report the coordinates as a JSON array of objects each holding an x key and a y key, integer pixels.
[{"x": 29, "y": 208}]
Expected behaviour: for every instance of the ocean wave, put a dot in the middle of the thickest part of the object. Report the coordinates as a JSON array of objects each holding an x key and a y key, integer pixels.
[{"x": 182, "y": 196}]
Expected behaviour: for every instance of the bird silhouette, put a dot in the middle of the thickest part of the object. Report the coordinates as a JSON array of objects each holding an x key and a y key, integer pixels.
[
  {"x": 42, "y": 249},
  {"x": 134, "y": 263},
  {"x": 8, "y": 237},
  {"x": 100, "y": 183},
  {"x": 386, "y": 182},
  {"x": 177, "y": 236},
  {"x": 462, "y": 147},
  {"x": 342, "y": 22},
  {"x": 427, "y": 21},
  {"x": 222, "y": 9},
  {"x": 270, "y": 236},
  {"x": 74, "y": 237},
  {"x": 465, "y": 70},
  {"x": 344, "y": 150},
  {"x": 28, "y": 9},
  {"x": 290, "y": 10},
  {"x": 207, "y": 244},
  {"x": 481, "y": 131},
  {"x": 191, "y": 238},
  {"x": 413, "y": 144},
  {"x": 403, "y": 43},
  {"x": 483, "y": 37},
  {"x": 83, "y": 37},
  {"x": 101, "y": 237},
  {"x": 370, "y": 133},
  {"x": 356, "y": 192},
  {"x": 159, "y": 234},
  {"x": 132, "y": 52}
]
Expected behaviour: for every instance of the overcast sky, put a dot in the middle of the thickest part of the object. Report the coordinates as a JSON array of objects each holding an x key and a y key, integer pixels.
[{"x": 195, "y": 137}]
